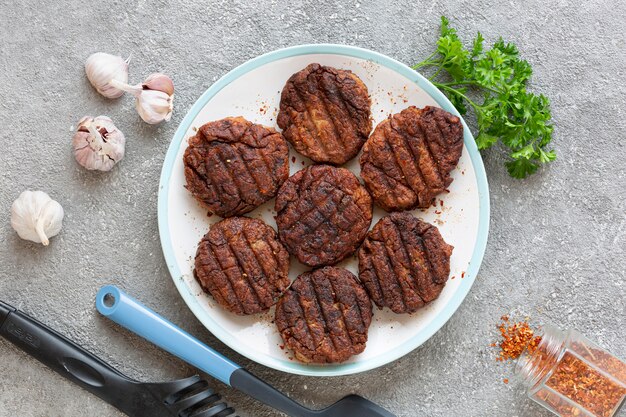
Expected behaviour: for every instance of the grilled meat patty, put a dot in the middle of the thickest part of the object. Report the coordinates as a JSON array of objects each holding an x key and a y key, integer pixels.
[
  {"x": 404, "y": 263},
  {"x": 323, "y": 213},
  {"x": 408, "y": 159},
  {"x": 325, "y": 113},
  {"x": 241, "y": 263},
  {"x": 233, "y": 166},
  {"x": 325, "y": 315}
]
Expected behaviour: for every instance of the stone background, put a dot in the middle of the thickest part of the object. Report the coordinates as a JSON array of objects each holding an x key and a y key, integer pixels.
[{"x": 555, "y": 251}]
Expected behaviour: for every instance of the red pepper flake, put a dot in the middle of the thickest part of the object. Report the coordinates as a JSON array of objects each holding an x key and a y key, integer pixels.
[
  {"x": 293, "y": 159},
  {"x": 505, "y": 380},
  {"x": 515, "y": 337},
  {"x": 582, "y": 383},
  {"x": 441, "y": 203},
  {"x": 463, "y": 274}
]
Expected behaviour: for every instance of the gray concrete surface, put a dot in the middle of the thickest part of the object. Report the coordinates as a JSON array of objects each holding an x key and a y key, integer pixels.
[{"x": 555, "y": 252}]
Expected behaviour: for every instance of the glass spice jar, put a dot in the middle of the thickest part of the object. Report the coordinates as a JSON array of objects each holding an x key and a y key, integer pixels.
[{"x": 571, "y": 376}]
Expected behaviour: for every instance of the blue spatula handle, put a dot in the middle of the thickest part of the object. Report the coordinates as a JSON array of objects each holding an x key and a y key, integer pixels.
[{"x": 131, "y": 314}]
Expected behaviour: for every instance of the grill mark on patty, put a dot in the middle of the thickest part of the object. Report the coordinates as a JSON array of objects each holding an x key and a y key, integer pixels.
[
  {"x": 315, "y": 221},
  {"x": 311, "y": 121},
  {"x": 424, "y": 252},
  {"x": 331, "y": 332},
  {"x": 268, "y": 169},
  {"x": 396, "y": 267},
  {"x": 242, "y": 270},
  {"x": 205, "y": 180},
  {"x": 246, "y": 171},
  {"x": 306, "y": 200},
  {"x": 304, "y": 317},
  {"x": 318, "y": 209},
  {"x": 228, "y": 266},
  {"x": 359, "y": 112},
  {"x": 390, "y": 289},
  {"x": 328, "y": 115},
  {"x": 433, "y": 161},
  {"x": 386, "y": 179},
  {"x": 447, "y": 169},
  {"x": 392, "y": 149},
  {"x": 341, "y": 312},
  {"x": 372, "y": 271},
  {"x": 261, "y": 266},
  {"x": 321, "y": 313},
  {"x": 410, "y": 264},
  {"x": 344, "y": 107},
  {"x": 256, "y": 256},
  {"x": 223, "y": 168},
  {"x": 232, "y": 165},
  {"x": 263, "y": 275},
  {"x": 222, "y": 271},
  {"x": 415, "y": 161},
  {"x": 262, "y": 154},
  {"x": 324, "y": 91},
  {"x": 431, "y": 138},
  {"x": 395, "y": 262}
]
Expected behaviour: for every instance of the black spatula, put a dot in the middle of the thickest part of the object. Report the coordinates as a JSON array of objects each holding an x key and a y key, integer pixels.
[
  {"x": 181, "y": 398},
  {"x": 131, "y": 314}
]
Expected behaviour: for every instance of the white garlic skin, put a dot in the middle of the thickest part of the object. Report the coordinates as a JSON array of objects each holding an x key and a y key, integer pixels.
[
  {"x": 154, "y": 98},
  {"x": 160, "y": 82},
  {"x": 101, "y": 153},
  {"x": 101, "y": 68},
  {"x": 36, "y": 217},
  {"x": 154, "y": 106}
]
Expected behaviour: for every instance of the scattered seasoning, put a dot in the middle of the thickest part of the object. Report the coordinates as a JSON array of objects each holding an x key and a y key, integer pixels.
[
  {"x": 505, "y": 380},
  {"x": 293, "y": 159},
  {"x": 463, "y": 274},
  {"x": 515, "y": 338}
]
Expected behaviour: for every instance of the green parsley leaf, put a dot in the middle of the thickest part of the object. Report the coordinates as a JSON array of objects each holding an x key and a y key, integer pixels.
[{"x": 520, "y": 120}]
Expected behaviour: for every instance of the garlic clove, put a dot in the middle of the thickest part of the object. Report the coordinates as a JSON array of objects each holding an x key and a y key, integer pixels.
[
  {"x": 101, "y": 68},
  {"x": 159, "y": 82},
  {"x": 154, "y": 98},
  {"x": 98, "y": 144},
  {"x": 154, "y": 106},
  {"x": 36, "y": 217}
]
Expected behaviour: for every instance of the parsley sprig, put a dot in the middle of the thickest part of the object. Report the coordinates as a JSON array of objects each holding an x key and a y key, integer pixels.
[{"x": 509, "y": 113}]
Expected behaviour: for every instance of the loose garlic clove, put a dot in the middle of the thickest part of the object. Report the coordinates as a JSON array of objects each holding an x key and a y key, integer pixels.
[
  {"x": 36, "y": 217},
  {"x": 101, "y": 68},
  {"x": 154, "y": 98},
  {"x": 98, "y": 144},
  {"x": 159, "y": 82},
  {"x": 154, "y": 106}
]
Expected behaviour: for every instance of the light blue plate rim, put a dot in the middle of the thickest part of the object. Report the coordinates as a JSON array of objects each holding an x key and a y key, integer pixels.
[{"x": 293, "y": 366}]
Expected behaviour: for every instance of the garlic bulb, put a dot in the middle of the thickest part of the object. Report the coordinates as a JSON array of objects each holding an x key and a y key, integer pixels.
[
  {"x": 154, "y": 98},
  {"x": 98, "y": 144},
  {"x": 36, "y": 217},
  {"x": 101, "y": 68}
]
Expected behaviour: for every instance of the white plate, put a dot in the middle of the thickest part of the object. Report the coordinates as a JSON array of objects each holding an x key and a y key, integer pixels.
[{"x": 252, "y": 90}]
